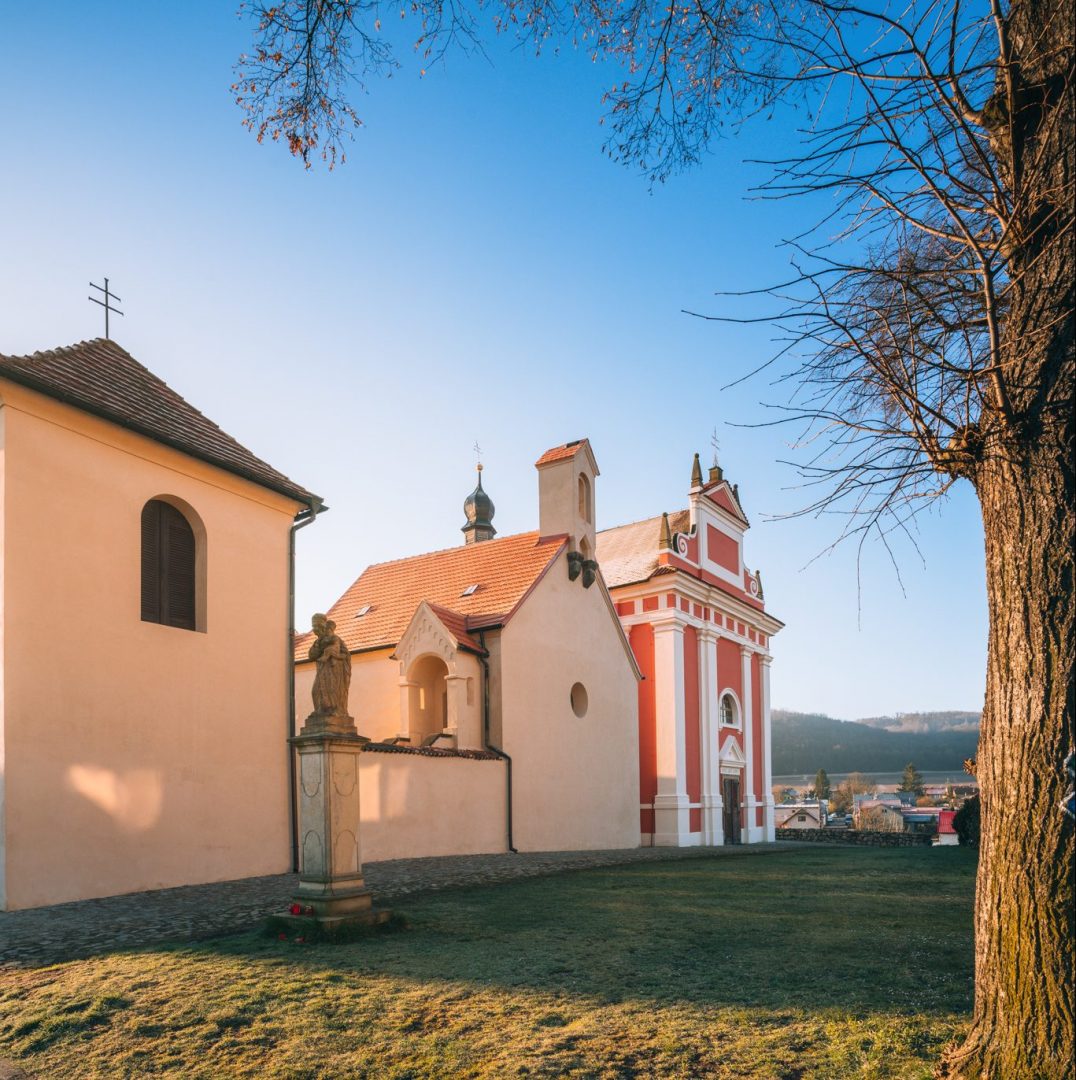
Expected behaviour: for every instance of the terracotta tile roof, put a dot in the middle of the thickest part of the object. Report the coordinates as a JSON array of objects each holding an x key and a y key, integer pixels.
[
  {"x": 503, "y": 569},
  {"x": 629, "y": 553},
  {"x": 101, "y": 378},
  {"x": 559, "y": 453},
  {"x": 430, "y": 751},
  {"x": 458, "y": 625}
]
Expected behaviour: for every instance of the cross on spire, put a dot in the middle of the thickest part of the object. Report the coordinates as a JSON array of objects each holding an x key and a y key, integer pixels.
[
  {"x": 105, "y": 303},
  {"x": 715, "y": 442},
  {"x": 478, "y": 454}
]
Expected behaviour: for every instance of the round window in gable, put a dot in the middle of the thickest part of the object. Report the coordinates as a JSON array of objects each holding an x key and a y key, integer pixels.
[{"x": 579, "y": 700}]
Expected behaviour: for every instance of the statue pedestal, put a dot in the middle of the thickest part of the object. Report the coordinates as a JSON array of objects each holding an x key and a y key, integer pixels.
[{"x": 331, "y": 891}]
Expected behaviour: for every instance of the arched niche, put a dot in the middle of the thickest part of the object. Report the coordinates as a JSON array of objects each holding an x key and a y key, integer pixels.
[{"x": 428, "y": 703}]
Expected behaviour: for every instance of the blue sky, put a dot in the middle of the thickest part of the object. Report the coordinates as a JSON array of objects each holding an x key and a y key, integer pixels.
[{"x": 478, "y": 270}]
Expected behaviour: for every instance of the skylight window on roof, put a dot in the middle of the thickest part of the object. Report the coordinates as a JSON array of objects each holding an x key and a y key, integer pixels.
[
  {"x": 470, "y": 590},
  {"x": 364, "y": 610}
]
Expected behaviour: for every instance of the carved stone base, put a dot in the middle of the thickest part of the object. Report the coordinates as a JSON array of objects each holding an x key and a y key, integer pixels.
[
  {"x": 331, "y": 899},
  {"x": 330, "y": 724},
  {"x": 315, "y": 927},
  {"x": 332, "y": 895}
]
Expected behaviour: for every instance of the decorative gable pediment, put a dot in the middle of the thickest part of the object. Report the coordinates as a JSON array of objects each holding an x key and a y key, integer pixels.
[
  {"x": 731, "y": 754},
  {"x": 426, "y": 635},
  {"x": 726, "y": 498}
]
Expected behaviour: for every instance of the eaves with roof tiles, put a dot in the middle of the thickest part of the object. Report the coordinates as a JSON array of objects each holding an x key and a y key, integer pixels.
[
  {"x": 504, "y": 569},
  {"x": 628, "y": 554},
  {"x": 458, "y": 626},
  {"x": 560, "y": 453},
  {"x": 103, "y": 379}
]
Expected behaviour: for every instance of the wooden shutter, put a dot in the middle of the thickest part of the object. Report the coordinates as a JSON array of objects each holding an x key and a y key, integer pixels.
[
  {"x": 177, "y": 592},
  {"x": 168, "y": 557},
  {"x": 151, "y": 561}
]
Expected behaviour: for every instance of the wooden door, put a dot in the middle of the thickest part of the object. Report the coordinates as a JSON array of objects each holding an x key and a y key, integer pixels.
[{"x": 730, "y": 795}]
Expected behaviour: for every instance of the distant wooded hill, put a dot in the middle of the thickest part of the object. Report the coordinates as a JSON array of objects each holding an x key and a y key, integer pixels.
[{"x": 936, "y": 742}]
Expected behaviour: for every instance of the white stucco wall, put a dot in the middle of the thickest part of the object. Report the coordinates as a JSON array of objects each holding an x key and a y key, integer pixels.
[
  {"x": 575, "y": 780},
  {"x": 414, "y": 806}
]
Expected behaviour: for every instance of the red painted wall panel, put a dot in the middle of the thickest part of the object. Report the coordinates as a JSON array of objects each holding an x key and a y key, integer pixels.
[
  {"x": 722, "y": 499},
  {"x": 692, "y": 736},
  {"x": 642, "y": 644},
  {"x": 722, "y": 549},
  {"x": 729, "y": 668}
]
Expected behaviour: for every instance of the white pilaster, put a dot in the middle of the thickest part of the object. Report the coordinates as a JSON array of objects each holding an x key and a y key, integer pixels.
[
  {"x": 713, "y": 832},
  {"x": 752, "y": 833},
  {"x": 767, "y": 751},
  {"x": 672, "y": 825}
]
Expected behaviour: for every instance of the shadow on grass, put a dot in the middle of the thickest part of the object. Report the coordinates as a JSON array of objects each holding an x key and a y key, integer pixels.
[{"x": 881, "y": 931}]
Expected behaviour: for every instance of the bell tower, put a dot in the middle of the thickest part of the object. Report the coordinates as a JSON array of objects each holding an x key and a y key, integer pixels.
[{"x": 566, "y": 476}]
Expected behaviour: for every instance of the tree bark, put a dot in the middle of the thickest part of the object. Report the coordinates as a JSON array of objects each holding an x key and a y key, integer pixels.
[
  {"x": 1023, "y": 1021},
  {"x": 1024, "y": 906}
]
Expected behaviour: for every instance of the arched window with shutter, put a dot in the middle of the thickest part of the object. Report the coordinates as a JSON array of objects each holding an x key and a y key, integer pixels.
[{"x": 169, "y": 567}]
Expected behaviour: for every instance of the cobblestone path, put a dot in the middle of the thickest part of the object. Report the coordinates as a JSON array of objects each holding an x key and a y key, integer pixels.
[{"x": 70, "y": 931}]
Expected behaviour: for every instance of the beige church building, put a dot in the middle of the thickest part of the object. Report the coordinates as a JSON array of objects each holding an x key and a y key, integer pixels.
[
  {"x": 563, "y": 688},
  {"x": 496, "y": 684},
  {"x": 144, "y": 658},
  {"x": 558, "y": 689}
]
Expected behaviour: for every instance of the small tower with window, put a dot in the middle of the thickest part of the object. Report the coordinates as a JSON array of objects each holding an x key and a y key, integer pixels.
[{"x": 566, "y": 476}]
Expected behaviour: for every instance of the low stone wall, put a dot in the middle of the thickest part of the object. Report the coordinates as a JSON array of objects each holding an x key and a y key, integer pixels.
[{"x": 854, "y": 836}]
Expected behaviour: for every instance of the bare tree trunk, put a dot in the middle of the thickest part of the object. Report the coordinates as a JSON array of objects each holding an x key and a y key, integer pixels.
[
  {"x": 1023, "y": 1022},
  {"x": 1024, "y": 906}
]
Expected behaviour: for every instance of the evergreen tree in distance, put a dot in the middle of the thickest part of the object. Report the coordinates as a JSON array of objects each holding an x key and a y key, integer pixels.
[
  {"x": 822, "y": 787},
  {"x": 911, "y": 780}
]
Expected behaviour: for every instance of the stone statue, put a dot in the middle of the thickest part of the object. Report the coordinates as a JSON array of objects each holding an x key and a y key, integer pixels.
[{"x": 333, "y": 676}]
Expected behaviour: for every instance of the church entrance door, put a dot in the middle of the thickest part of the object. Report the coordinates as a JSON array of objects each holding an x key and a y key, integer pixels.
[{"x": 730, "y": 794}]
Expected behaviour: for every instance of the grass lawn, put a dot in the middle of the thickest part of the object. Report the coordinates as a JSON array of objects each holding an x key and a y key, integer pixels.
[{"x": 819, "y": 964}]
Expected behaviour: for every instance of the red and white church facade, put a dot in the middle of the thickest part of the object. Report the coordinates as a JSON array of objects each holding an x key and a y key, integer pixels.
[{"x": 697, "y": 623}]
